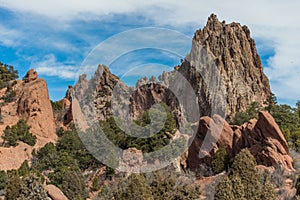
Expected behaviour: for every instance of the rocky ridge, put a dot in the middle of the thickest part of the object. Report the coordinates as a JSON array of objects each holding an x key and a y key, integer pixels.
[{"x": 225, "y": 52}]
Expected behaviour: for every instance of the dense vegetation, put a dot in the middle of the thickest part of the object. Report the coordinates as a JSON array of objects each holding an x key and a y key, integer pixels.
[
  {"x": 18, "y": 132},
  {"x": 157, "y": 141},
  {"x": 163, "y": 184},
  {"x": 7, "y": 74},
  {"x": 66, "y": 161},
  {"x": 244, "y": 181},
  {"x": 220, "y": 160},
  {"x": 7, "y": 79}
]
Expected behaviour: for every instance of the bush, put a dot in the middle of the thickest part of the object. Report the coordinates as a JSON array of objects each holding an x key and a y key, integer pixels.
[
  {"x": 24, "y": 169},
  {"x": 220, "y": 160},
  {"x": 13, "y": 189},
  {"x": 95, "y": 184},
  {"x": 224, "y": 190},
  {"x": 150, "y": 144},
  {"x": 162, "y": 184},
  {"x": 244, "y": 181},
  {"x": 9, "y": 96},
  {"x": 3, "y": 180},
  {"x": 57, "y": 105},
  {"x": 32, "y": 188},
  {"x": 45, "y": 158},
  {"x": 18, "y": 132},
  {"x": 250, "y": 113},
  {"x": 70, "y": 181}
]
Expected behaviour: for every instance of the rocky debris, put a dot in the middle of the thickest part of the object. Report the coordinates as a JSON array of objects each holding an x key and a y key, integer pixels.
[
  {"x": 262, "y": 137},
  {"x": 31, "y": 103},
  {"x": 55, "y": 193},
  {"x": 132, "y": 160},
  {"x": 31, "y": 75}
]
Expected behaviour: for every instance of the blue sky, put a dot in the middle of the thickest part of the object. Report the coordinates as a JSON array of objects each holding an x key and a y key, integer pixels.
[{"x": 54, "y": 37}]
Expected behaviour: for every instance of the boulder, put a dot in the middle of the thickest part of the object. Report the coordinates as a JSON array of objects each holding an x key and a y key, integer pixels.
[
  {"x": 31, "y": 75},
  {"x": 262, "y": 137},
  {"x": 55, "y": 193}
]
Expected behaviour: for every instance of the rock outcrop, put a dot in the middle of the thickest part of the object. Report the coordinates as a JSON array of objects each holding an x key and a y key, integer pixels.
[
  {"x": 223, "y": 68},
  {"x": 262, "y": 137},
  {"x": 55, "y": 193},
  {"x": 233, "y": 51},
  {"x": 31, "y": 102}
]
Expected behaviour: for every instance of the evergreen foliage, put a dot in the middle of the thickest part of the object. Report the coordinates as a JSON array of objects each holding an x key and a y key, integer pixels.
[
  {"x": 244, "y": 181},
  {"x": 220, "y": 160},
  {"x": 13, "y": 189},
  {"x": 3, "y": 180},
  {"x": 224, "y": 190},
  {"x": 163, "y": 184},
  {"x": 150, "y": 144},
  {"x": 7, "y": 74},
  {"x": 18, "y": 132}
]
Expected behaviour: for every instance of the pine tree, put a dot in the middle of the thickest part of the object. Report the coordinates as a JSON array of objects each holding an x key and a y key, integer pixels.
[
  {"x": 13, "y": 188},
  {"x": 3, "y": 179},
  {"x": 244, "y": 167},
  {"x": 237, "y": 188},
  {"x": 134, "y": 187},
  {"x": 220, "y": 160},
  {"x": 267, "y": 192},
  {"x": 24, "y": 169},
  {"x": 224, "y": 190}
]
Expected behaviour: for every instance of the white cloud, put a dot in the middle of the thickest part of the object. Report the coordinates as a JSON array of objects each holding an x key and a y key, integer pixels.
[
  {"x": 273, "y": 20},
  {"x": 50, "y": 67},
  {"x": 8, "y": 37}
]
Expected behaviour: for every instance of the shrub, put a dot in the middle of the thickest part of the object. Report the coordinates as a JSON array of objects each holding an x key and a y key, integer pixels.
[
  {"x": 224, "y": 190},
  {"x": 95, "y": 184},
  {"x": 3, "y": 180},
  {"x": 18, "y": 132},
  {"x": 9, "y": 96},
  {"x": 150, "y": 144},
  {"x": 32, "y": 188},
  {"x": 13, "y": 188},
  {"x": 24, "y": 169},
  {"x": 244, "y": 167},
  {"x": 250, "y": 113},
  {"x": 220, "y": 160},
  {"x": 56, "y": 105}
]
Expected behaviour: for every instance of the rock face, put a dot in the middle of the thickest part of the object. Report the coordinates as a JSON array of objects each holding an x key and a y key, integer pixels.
[
  {"x": 230, "y": 78},
  {"x": 31, "y": 75},
  {"x": 95, "y": 95},
  {"x": 262, "y": 137},
  {"x": 31, "y": 103},
  {"x": 223, "y": 68},
  {"x": 34, "y": 105},
  {"x": 234, "y": 53}
]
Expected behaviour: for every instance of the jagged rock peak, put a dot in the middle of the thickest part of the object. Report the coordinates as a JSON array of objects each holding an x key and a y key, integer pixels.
[
  {"x": 235, "y": 54},
  {"x": 31, "y": 75}
]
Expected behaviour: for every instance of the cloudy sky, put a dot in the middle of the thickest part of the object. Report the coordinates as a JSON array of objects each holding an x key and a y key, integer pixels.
[{"x": 55, "y": 36}]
